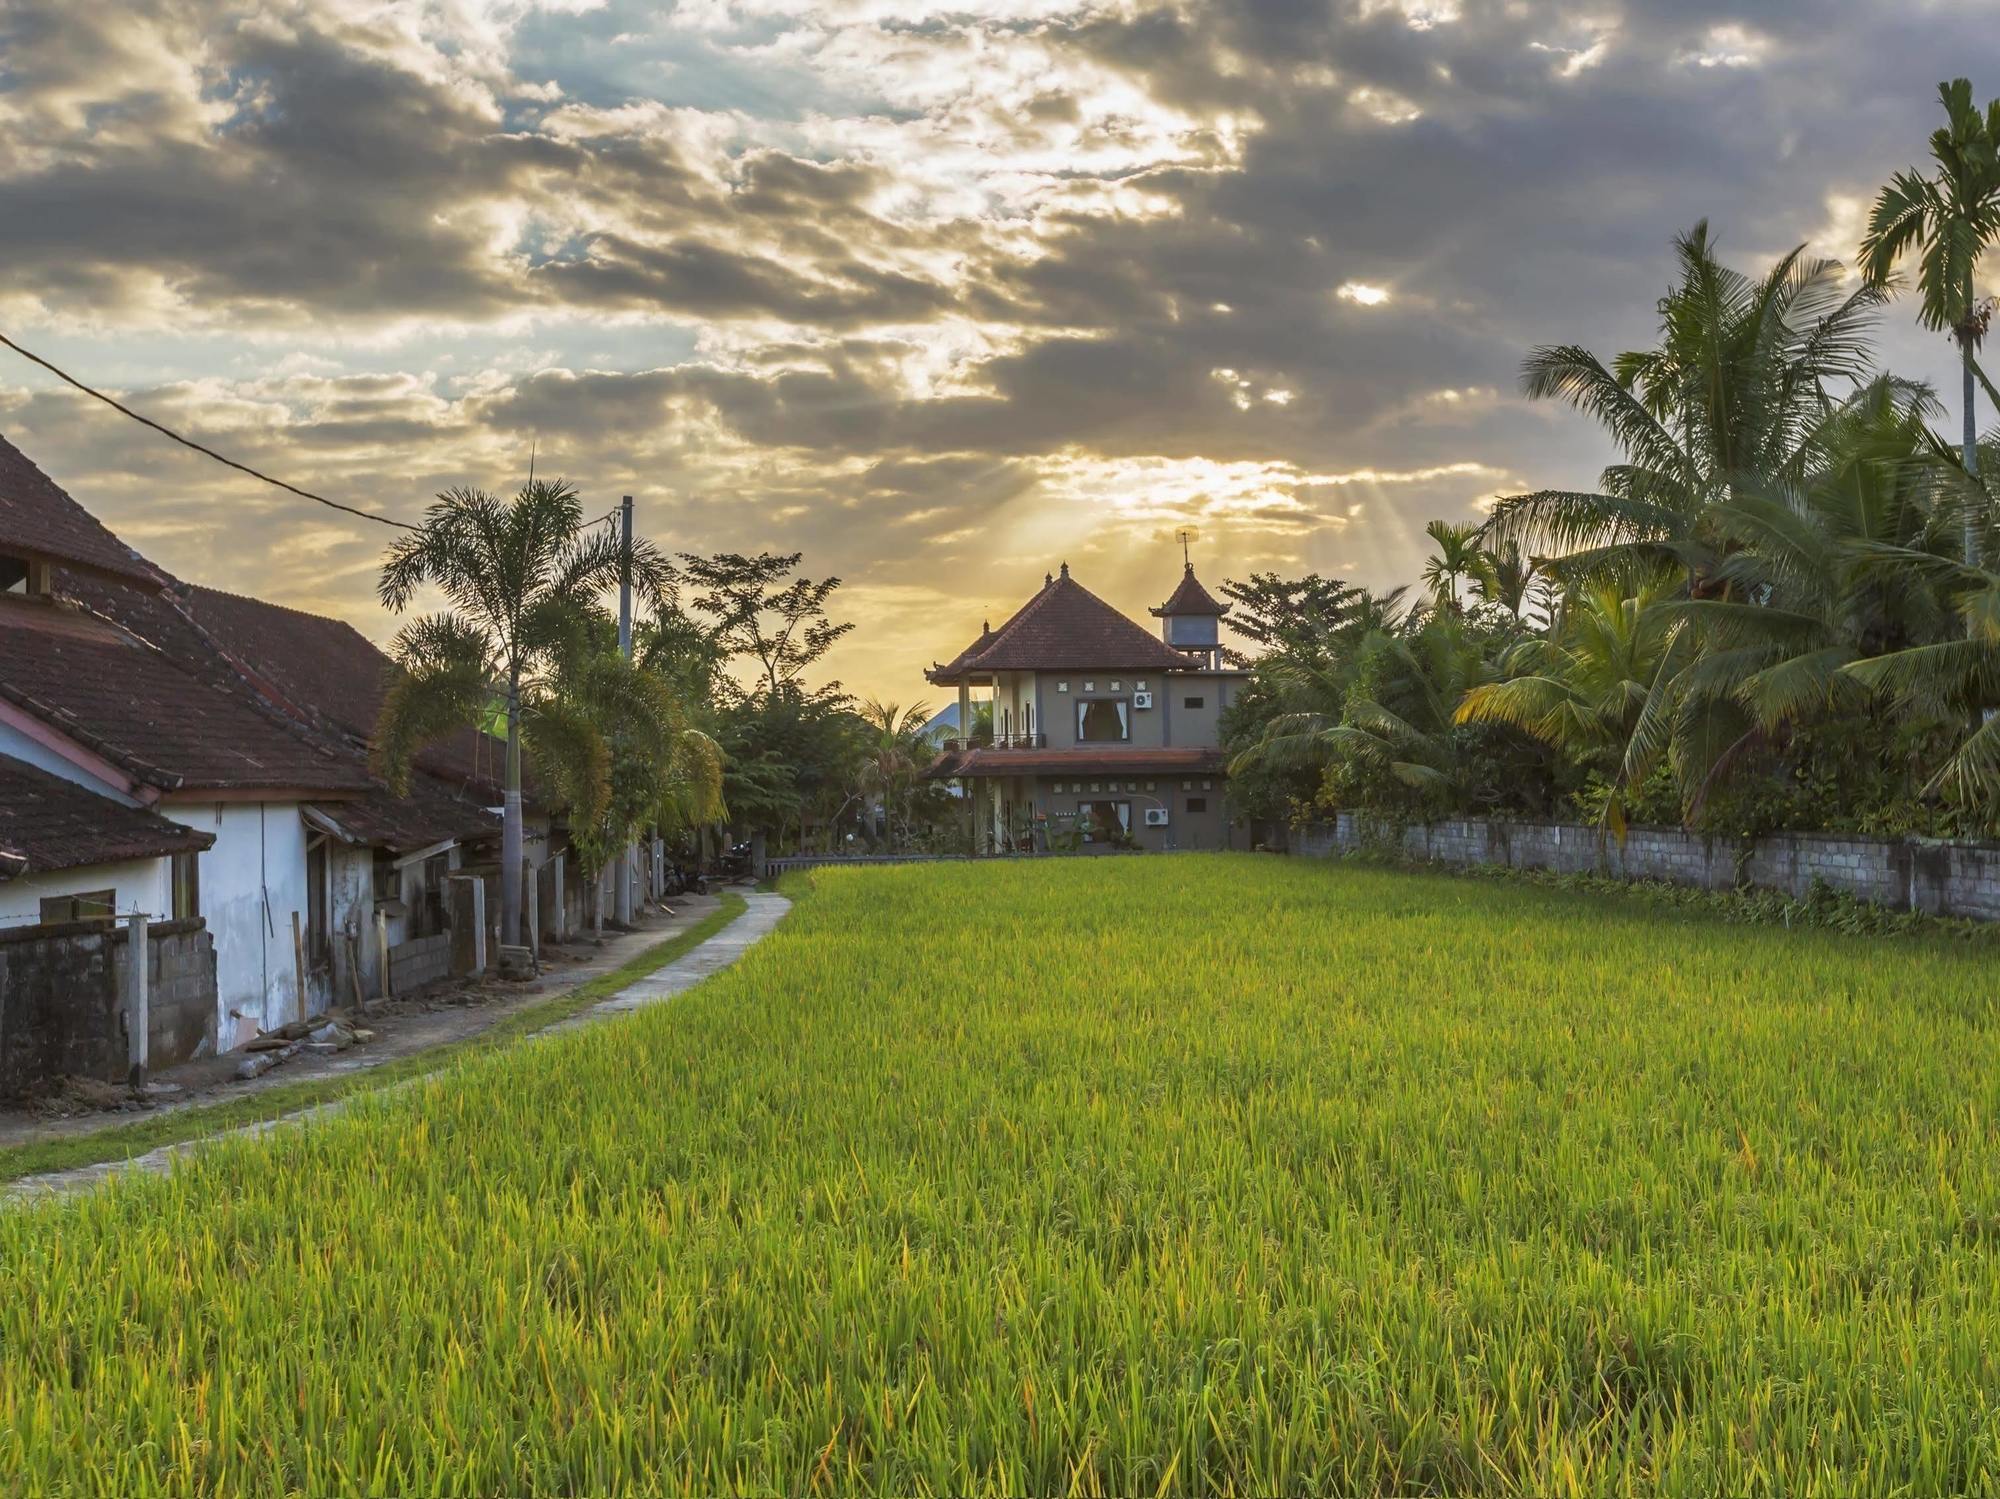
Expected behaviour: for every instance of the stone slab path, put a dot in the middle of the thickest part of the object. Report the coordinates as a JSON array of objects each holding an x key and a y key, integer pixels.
[{"x": 762, "y": 913}]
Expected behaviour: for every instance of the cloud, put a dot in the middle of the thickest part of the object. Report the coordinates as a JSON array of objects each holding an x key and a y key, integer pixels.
[{"x": 936, "y": 294}]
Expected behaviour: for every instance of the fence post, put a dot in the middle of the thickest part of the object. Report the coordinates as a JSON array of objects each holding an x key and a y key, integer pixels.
[
  {"x": 534, "y": 908},
  {"x": 382, "y": 953},
  {"x": 138, "y": 1017}
]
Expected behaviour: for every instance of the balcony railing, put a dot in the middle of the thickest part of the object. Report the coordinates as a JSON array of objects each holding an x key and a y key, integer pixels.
[{"x": 998, "y": 741}]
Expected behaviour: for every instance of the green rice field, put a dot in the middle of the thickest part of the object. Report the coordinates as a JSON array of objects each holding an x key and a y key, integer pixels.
[{"x": 1203, "y": 1173}]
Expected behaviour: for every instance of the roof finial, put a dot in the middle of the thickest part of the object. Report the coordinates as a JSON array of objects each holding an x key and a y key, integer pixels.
[
  {"x": 1065, "y": 569},
  {"x": 986, "y": 627},
  {"x": 1047, "y": 579},
  {"x": 1185, "y": 535}
]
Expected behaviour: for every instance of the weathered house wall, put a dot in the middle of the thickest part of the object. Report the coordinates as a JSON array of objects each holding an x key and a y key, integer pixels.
[
  {"x": 63, "y": 996},
  {"x": 138, "y": 884},
  {"x": 1922, "y": 874},
  {"x": 252, "y": 880}
]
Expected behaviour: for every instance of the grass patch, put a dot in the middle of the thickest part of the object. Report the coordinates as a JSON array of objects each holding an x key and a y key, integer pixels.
[
  {"x": 1205, "y": 1174},
  {"x": 121, "y": 1142}
]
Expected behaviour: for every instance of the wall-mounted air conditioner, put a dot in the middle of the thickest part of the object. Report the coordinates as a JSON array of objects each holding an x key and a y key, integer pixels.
[
  {"x": 1156, "y": 817},
  {"x": 1142, "y": 699}
]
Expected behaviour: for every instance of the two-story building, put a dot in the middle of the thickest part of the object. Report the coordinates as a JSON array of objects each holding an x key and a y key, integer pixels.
[{"x": 1101, "y": 732}]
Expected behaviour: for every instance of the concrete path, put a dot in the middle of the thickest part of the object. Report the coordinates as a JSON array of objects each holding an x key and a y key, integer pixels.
[{"x": 762, "y": 913}]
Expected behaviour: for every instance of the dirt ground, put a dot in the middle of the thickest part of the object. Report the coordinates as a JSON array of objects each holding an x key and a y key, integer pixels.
[{"x": 444, "y": 1014}]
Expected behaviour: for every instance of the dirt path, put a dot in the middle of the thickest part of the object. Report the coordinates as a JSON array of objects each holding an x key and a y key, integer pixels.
[{"x": 762, "y": 914}]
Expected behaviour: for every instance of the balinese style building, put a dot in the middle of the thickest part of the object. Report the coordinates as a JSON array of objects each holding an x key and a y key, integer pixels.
[{"x": 1101, "y": 732}]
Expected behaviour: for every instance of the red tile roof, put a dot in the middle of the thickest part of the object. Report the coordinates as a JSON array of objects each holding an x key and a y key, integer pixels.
[
  {"x": 48, "y": 823},
  {"x": 39, "y": 520},
  {"x": 1092, "y": 761},
  {"x": 1191, "y": 598},
  {"x": 427, "y": 815},
  {"x": 126, "y": 701},
  {"x": 1064, "y": 627}
]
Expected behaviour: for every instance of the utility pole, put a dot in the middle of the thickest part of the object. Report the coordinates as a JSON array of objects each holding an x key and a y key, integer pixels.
[{"x": 624, "y": 882}]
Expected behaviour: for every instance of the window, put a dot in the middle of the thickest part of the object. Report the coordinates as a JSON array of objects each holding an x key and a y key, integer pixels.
[
  {"x": 91, "y": 905},
  {"x": 1062, "y": 687},
  {"x": 1114, "y": 687},
  {"x": 1197, "y": 804},
  {"x": 1105, "y": 822},
  {"x": 387, "y": 884},
  {"x": 1100, "y": 719},
  {"x": 1194, "y": 702},
  {"x": 187, "y": 886},
  {"x": 14, "y": 573}
]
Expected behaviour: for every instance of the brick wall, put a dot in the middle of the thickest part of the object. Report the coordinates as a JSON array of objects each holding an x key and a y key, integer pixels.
[
  {"x": 1944, "y": 878},
  {"x": 62, "y": 999}
]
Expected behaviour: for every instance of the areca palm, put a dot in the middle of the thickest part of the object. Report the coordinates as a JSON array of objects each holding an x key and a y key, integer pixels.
[
  {"x": 515, "y": 576},
  {"x": 1457, "y": 557},
  {"x": 897, "y": 752},
  {"x": 1949, "y": 220},
  {"x": 1734, "y": 393}
]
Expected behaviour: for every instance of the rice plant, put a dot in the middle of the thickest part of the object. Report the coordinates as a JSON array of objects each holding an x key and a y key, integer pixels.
[{"x": 1193, "y": 1174}]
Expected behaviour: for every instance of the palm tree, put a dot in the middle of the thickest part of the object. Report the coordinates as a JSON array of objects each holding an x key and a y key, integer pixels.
[
  {"x": 1458, "y": 557},
  {"x": 1735, "y": 392},
  {"x": 1506, "y": 578},
  {"x": 1950, "y": 219},
  {"x": 898, "y": 750},
  {"x": 515, "y": 576}
]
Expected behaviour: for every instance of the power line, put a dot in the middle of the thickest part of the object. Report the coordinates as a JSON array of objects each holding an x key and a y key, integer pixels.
[{"x": 304, "y": 494}]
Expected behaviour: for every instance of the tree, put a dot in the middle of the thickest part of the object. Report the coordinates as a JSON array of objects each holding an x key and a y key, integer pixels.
[
  {"x": 516, "y": 575},
  {"x": 1458, "y": 557},
  {"x": 1506, "y": 578},
  {"x": 898, "y": 750},
  {"x": 1735, "y": 392},
  {"x": 754, "y": 612},
  {"x": 1951, "y": 220}
]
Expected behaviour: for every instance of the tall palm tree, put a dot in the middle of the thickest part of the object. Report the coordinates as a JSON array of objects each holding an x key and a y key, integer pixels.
[
  {"x": 1508, "y": 575},
  {"x": 515, "y": 575},
  {"x": 1457, "y": 557},
  {"x": 1734, "y": 392},
  {"x": 1951, "y": 220}
]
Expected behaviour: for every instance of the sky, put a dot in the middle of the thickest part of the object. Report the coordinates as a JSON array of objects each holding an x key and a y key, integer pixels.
[{"x": 939, "y": 295}]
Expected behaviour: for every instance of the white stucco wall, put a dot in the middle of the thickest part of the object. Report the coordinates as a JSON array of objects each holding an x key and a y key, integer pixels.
[
  {"x": 252, "y": 880},
  {"x": 142, "y": 884}
]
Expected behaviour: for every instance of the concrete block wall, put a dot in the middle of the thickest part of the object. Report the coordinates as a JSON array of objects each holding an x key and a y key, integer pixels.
[
  {"x": 420, "y": 961},
  {"x": 62, "y": 999},
  {"x": 1945, "y": 878}
]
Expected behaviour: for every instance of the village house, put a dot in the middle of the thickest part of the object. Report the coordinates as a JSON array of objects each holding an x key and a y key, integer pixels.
[
  {"x": 247, "y": 724},
  {"x": 1102, "y": 733}
]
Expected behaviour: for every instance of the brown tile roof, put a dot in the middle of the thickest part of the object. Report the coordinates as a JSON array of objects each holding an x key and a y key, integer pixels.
[
  {"x": 1064, "y": 627},
  {"x": 1191, "y": 598},
  {"x": 38, "y": 519},
  {"x": 428, "y": 815},
  {"x": 1108, "y": 761},
  {"x": 326, "y": 672},
  {"x": 48, "y": 823},
  {"x": 125, "y": 700}
]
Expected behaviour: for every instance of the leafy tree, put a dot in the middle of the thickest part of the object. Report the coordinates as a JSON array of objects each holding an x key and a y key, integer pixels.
[
  {"x": 515, "y": 576},
  {"x": 758, "y": 610},
  {"x": 898, "y": 750},
  {"x": 1458, "y": 558}
]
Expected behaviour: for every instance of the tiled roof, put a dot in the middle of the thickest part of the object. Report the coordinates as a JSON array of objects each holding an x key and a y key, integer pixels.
[
  {"x": 128, "y": 702},
  {"x": 1106, "y": 761},
  {"x": 427, "y": 815},
  {"x": 327, "y": 673},
  {"x": 1191, "y": 598},
  {"x": 48, "y": 823},
  {"x": 37, "y": 518},
  {"x": 1064, "y": 627}
]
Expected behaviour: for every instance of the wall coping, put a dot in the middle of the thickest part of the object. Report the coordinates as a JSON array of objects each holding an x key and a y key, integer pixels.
[{"x": 116, "y": 932}]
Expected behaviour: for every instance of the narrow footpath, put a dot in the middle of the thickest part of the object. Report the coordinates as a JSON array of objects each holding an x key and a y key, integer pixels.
[{"x": 762, "y": 913}]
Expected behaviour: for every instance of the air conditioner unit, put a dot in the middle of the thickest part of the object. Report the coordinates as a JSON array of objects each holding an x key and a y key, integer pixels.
[
  {"x": 1156, "y": 817},
  {"x": 1142, "y": 699}
]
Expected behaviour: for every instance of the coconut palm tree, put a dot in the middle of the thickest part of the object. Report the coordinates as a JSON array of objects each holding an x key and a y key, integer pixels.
[
  {"x": 515, "y": 576},
  {"x": 1734, "y": 393},
  {"x": 1949, "y": 220},
  {"x": 897, "y": 751},
  {"x": 1506, "y": 578}
]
